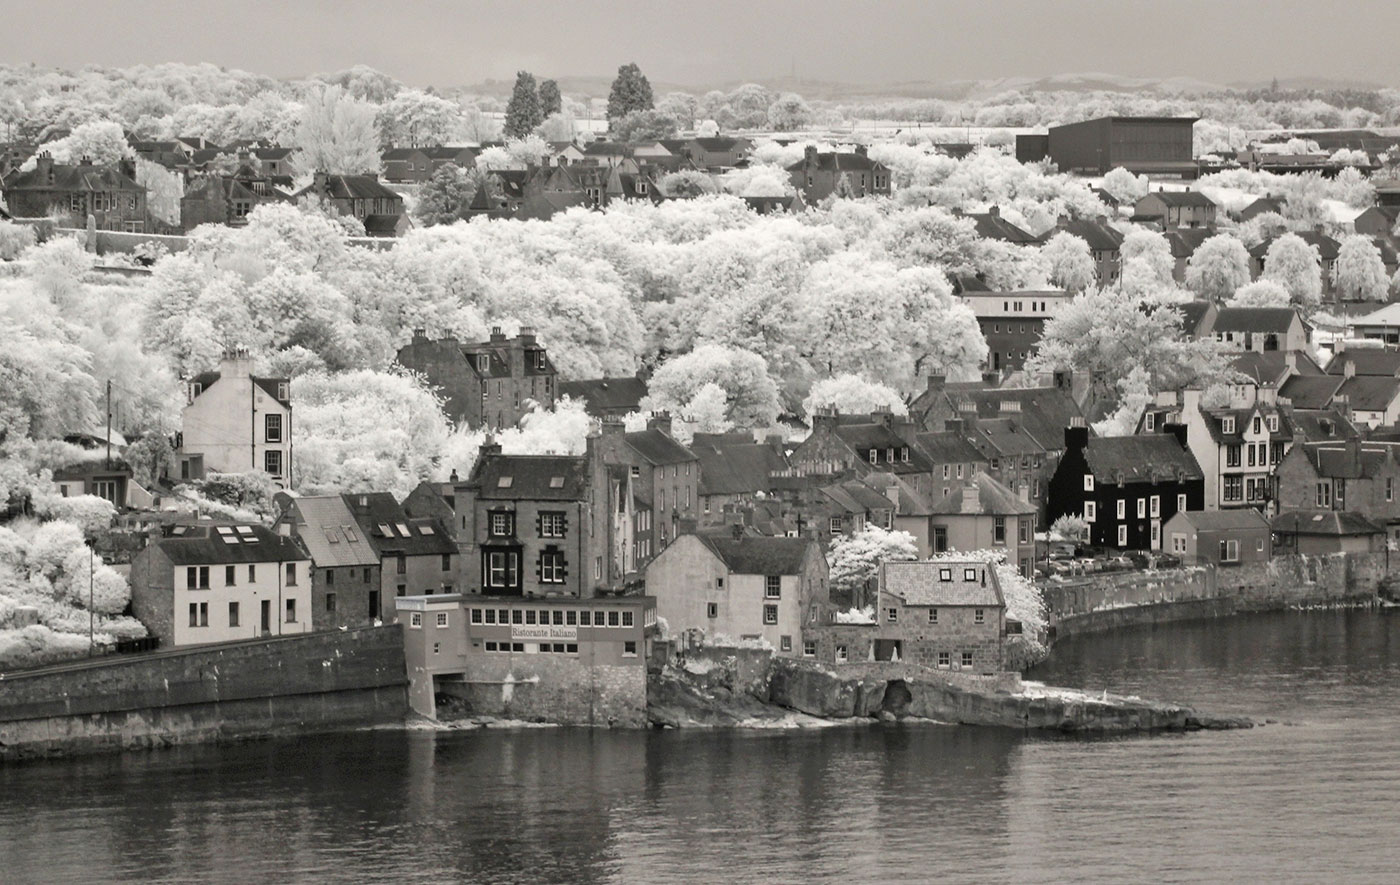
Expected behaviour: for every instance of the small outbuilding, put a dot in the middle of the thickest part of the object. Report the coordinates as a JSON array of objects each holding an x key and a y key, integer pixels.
[
  {"x": 1219, "y": 537},
  {"x": 1320, "y": 532}
]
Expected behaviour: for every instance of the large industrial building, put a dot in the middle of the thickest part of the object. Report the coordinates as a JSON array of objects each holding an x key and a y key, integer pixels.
[{"x": 1156, "y": 146}]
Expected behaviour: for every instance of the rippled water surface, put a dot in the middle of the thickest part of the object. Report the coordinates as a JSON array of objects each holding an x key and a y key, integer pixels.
[{"x": 1313, "y": 799}]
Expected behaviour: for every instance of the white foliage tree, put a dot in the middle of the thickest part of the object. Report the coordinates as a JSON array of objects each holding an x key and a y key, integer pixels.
[
  {"x": 1217, "y": 268},
  {"x": 1359, "y": 271},
  {"x": 855, "y": 559},
  {"x": 853, "y": 395},
  {"x": 338, "y": 134},
  {"x": 1071, "y": 262},
  {"x": 1293, "y": 263}
]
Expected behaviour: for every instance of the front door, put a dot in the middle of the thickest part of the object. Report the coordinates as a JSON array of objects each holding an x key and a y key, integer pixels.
[
  {"x": 373, "y": 604},
  {"x": 267, "y": 616}
]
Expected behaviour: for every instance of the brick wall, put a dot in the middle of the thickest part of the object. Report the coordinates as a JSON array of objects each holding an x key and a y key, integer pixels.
[{"x": 309, "y": 682}]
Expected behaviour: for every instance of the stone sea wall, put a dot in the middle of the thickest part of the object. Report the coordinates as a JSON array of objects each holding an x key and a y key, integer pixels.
[
  {"x": 310, "y": 682},
  {"x": 554, "y": 688},
  {"x": 1122, "y": 599}
]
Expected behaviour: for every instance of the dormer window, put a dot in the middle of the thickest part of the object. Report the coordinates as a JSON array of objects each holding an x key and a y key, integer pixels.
[
  {"x": 1227, "y": 424},
  {"x": 889, "y": 455},
  {"x": 196, "y": 389},
  {"x": 874, "y": 456},
  {"x": 904, "y": 454},
  {"x": 284, "y": 391},
  {"x": 483, "y": 362},
  {"x": 539, "y": 359},
  {"x": 1257, "y": 424},
  {"x": 1273, "y": 424},
  {"x": 1148, "y": 422}
]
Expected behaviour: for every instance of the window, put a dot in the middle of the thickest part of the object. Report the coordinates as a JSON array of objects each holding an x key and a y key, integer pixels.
[
  {"x": 933, "y": 616},
  {"x": 1227, "y": 424},
  {"x": 1180, "y": 503},
  {"x": 401, "y": 564},
  {"x": 1155, "y": 505},
  {"x": 785, "y": 643},
  {"x": 712, "y": 610},
  {"x": 551, "y": 525},
  {"x": 272, "y": 428},
  {"x": 1122, "y": 536},
  {"x": 626, "y": 619},
  {"x": 1229, "y": 551},
  {"x": 1156, "y": 535},
  {"x": 291, "y": 611},
  {"x": 770, "y": 614},
  {"x": 447, "y": 562},
  {"x": 551, "y": 567},
  {"x": 229, "y": 571},
  {"x": 197, "y": 577},
  {"x": 1090, "y": 511},
  {"x": 502, "y": 569},
  {"x": 969, "y": 574},
  {"x": 999, "y": 530},
  {"x": 1147, "y": 421},
  {"x": 945, "y": 659},
  {"x": 1257, "y": 425},
  {"x": 967, "y": 659},
  {"x": 1142, "y": 508},
  {"x": 233, "y": 614},
  {"x": 840, "y": 654},
  {"x": 979, "y": 616},
  {"x": 1023, "y": 530},
  {"x": 945, "y": 574},
  {"x": 1122, "y": 508},
  {"x": 629, "y": 649},
  {"x": 415, "y": 620},
  {"x": 1233, "y": 488},
  {"x": 960, "y": 471},
  {"x": 476, "y": 616},
  {"x": 272, "y": 462},
  {"x": 1232, "y": 456},
  {"x": 442, "y": 619},
  {"x": 1324, "y": 494},
  {"x": 892, "y": 615},
  {"x": 809, "y": 648},
  {"x": 1088, "y": 482},
  {"x": 1389, "y": 488},
  {"x": 874, "y": 456},
  {"x": 502, "y": 525},
  {"x": 836, "y": 525},
  {"x": 772, "y": 587},
  {"x": 291, "y": 574},
  {"x": 483, "y": 362},
  {"x": 947, "y": 471},
  {"x": 612, "y": 619},
  {"x": 1273, "y": 424}
]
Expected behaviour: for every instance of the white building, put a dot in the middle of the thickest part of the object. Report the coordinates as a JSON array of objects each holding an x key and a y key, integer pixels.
[{"x": 239, "y": 422}]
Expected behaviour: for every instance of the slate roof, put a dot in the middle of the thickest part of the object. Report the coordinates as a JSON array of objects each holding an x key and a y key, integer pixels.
[
  {"x": 992, "y": 226},
  {"x": 1005, "y": 438},
  {"x": 658, "y": 447},
  {"x": 948, "y": 448},
  {"x": 1184, "y": 241},
  {"x": 329, "y": 531},
  {"x": 606, "y": 393},
  {"x": 1181, "y": 198},
  {"x": 1311, "y": 391},
  {"x": 1366, "y": 361},
  {"x": 1254, "y": 319},
  {"x": 713, "y": 144},
  {"x": 1140, "y": 458},
  {"x": 352, "y": 187},
  {"x": 532, "y": 477},
  {"x": 993, "y": 499},
  {"x": 839, "y": 161},
  {"x": 206, "y": 545},
  {"x": 757, "y": 555},
  {"x": 1324, "y": 522},
  {"x": 411, "y": 537},
  {"x": 1320, "y": 424},
  {"x": 1370, "y": 393},
  {"x": 1355, "y": 460},
  {"x": 1044, "y": 412},
  {"x": 856, "y": 496},
  {"x": 1260, "y": 206},
  {"x": 917, "y": 583},
  {"x": 74, "y": 177},
  {"x": 1326, "y": 246},
  {"x": 1224, "y": 520},
  {"x": 1192, "y": 313},
  {"x": 1100, "y": 237},
  {"x": 730, "y": 466},
  {"x": 206, "y": 380},
  {"x": 864, "y": 437},
  {"x": 1269, "y": 365},
  {"x": 382, "y": 225}
]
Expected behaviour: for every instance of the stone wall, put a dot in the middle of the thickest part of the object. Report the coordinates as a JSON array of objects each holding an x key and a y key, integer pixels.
[
  {"x": 567, "y": 689},
  {"x": 309, "y": 682},
  {"x": 1122, "y": 599}
]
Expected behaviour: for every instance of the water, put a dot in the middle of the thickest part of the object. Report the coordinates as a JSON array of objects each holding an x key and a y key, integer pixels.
[{"x": 1315, "y": 800}]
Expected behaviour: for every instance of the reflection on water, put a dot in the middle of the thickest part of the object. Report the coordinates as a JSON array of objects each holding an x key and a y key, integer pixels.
[{"x": 1314, "y": 800}]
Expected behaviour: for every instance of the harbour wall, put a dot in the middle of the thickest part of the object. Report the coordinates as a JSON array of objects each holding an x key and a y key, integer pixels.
[{"x": 310, "y": 682}]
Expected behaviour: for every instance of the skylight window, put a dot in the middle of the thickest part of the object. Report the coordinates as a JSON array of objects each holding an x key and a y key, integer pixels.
[
  {"x": 426, "y": 529},
  {"x": 403, "y": 530},
  {"x": 505, "y": 482},
  {"x": 384, "y": 530},
  {"x": 332, "y": 537},
  {"x": 556, "y": 482},
  {"x": 349, "y": 534}
]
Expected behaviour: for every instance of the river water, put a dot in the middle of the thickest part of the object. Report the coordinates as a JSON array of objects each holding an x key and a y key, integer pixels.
[{"x": 1315, "y": 798}]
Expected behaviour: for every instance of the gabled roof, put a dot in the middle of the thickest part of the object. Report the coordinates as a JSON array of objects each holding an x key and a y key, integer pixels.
[
  {"x": 228, "y": 544},
  {"x": 1214, "y": 421},
  {"x": 990, "y": 225},
  {"x": 1254, "y": 319},
  {"x": 1192, "y": 315},
  {"x": 1141, "y": 458},
  {"x": 864, "y": 437},
  {"x": 1044, "y": 412},
  {"x": 752, "y": 555},
  {"x": 1181, "y": 198},
  {"x": 711, "y": 144},
  {"x": 532, "y": 477},
  {"x": 1321, "y": 424},
  {"x": 401, "y": 153},
  {"x": 1370, "y": 393},
  {"x": 1366, "y": 361},
  {"x": 993, "y": 499},
  {"x": 606, "y": 393},
  {"x": 856, "y": 496},
  {"x": 1311, "y": 391},
  {"x": 917, "y": 583},
  {"x": 839, "y": 161},
  {"x": 1224, "y": 520},
  {"x": 1005, "y": 438},
  {"x": 74, "y": 177},
  {"x": 1100, "y": 237},
  {"x": 1260, "y": 206},
  {"x": 658, "y": 447},
  {"x": 391, "y": 530},
  {"x": 1335, "y": 523},
  {"x": 1268, "y": 366},
  {"x": 448, "y": 152},
  {"x": 730, "y": 466},
  {"x": 948, "y": 448},
  {"x": 328, "y": 530},
  {"x": 352, "y": 187},
  {"x": 1350, "y": 459},
  {"x": 1388, "y": 315},
  {"x": 1327, "y": 247},
  {"x": 1184, "y": 241}
]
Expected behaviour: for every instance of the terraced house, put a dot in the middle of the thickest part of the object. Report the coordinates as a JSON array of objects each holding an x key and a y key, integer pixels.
[
  {"x": 1237, "y": 444},
  {"x": 488, "y": 383},
  {"x": 78, "y": 191}
]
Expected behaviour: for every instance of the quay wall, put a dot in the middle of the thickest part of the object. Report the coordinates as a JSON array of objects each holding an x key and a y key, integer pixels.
[{"x": 310, "y": 682}]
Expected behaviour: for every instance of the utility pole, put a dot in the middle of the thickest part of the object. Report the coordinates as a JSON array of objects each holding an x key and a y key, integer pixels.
[
  {"x": 109, "y": 423},
  {"x": 91, "y": 566}
]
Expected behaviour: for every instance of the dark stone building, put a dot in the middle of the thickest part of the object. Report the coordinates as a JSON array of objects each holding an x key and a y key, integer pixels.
[
  {"x": 490, "y": 383},
  {"x": 1160, "y": 146}
]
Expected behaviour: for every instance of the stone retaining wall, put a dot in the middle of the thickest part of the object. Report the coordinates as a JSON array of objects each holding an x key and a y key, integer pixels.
[{"x": 553, "y": 688}]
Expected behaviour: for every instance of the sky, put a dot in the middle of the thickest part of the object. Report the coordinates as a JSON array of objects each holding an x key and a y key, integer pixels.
[{"x": 698, "y": 44}]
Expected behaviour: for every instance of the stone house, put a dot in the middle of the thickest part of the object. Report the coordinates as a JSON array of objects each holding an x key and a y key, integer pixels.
[
  {"x": 1258, "y": 329},
  {"x": 416, "y": 554},
  {"x": 744, "y": 587},
  {"x": 734, "y": 471},
  {"x": 1126, "y": 487},
  {"x": 197, "y": 585},
  {"x": 418, "y": 164},
  {"x": 665, "y": 479},
  {"x": 238, "y": 421},
  {"x": 1324, "y": 532},
  {"x": 1219, "y": 537},
  {"x": 985, "y": 516},
  {"x": 226, "y": 199},
  {"x": 1344, "y": 476},
  {"x": 78, "y": 190},
  {"x": 1327, "y": 251},
  {"x": 346, "y": 580},
  {"x": 883, "y": 444},
  {"x": 363, "y": 197},
  {"x": 606, "y": 397},
  {"x": 848, "y": 174},
  {"x": 944, "y": 613},
  {"x": 1104, "y": 243},
  {"x": 486, "y": 383}
]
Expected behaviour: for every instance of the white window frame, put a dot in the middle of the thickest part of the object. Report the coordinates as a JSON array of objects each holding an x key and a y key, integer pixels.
[
  {"x": 1122, "y": 508},
  {"x": 1090, "y": 511},
  {"x": 1122, "y": 536},
  {"x": 1088, "y": 482},
  {"x": 1155, "y": 507}
]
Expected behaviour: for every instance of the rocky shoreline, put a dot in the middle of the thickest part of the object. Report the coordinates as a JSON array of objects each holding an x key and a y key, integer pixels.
[{"x": 712, "y": 696}]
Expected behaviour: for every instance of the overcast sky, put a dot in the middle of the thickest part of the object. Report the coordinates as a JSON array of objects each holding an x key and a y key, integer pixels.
[{"x": 446, "y": 43}]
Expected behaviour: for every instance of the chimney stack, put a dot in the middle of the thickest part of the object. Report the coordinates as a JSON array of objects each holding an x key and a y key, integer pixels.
[
  {"x": 936, "y": 382},
  {"x": 1076, "y": 435},
  {"x": 497, "y": 335},
  {"x": 660, "y": 421}
]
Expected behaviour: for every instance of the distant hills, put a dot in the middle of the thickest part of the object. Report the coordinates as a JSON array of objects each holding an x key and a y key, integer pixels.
[{"x": 947, "y": 89}]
